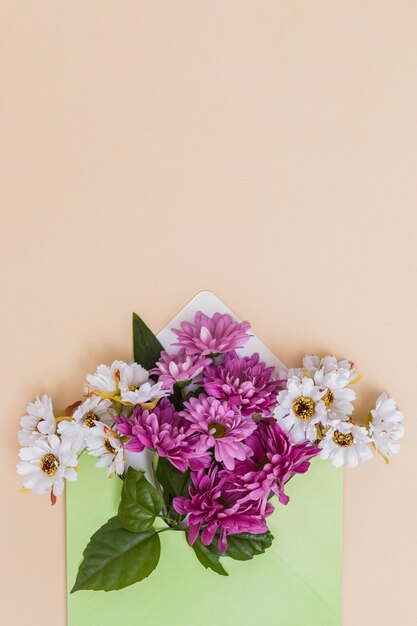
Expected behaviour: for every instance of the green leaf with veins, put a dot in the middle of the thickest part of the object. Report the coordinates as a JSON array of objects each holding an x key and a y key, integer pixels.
[
  {"x": 244, "y": 546},
  {"x": 209, "y": 559},
  {"x": 116, "y": 558},
  {"x": 146, "y": 346},
  {"x": 140, "y": 502}
]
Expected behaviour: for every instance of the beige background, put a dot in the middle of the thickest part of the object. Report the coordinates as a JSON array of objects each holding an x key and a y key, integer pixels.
[{"x": 263, "y": 150}]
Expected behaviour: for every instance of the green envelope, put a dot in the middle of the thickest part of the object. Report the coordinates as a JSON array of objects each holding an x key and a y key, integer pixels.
[{"x": 296, "y": 582}]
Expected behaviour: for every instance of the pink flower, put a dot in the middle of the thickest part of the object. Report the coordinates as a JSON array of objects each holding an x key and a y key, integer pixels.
[
  {"x": 274, "y": 460},
  {"x": 165, "y": 431},
  {"x": 212, "y": 335},
  {"x": 219, "y": 427},
  {"x": 179, "y": 369},
  {"x": 245, "y": 382},
  {"x": 214, "y": 504}
]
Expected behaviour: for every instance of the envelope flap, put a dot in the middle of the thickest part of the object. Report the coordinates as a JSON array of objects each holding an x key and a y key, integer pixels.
[{"x": 209, "y": 303}]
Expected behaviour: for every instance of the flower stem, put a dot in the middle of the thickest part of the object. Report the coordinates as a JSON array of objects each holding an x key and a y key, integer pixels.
[
  {"x": 169, "y": 519},
  {"x": 155, "y": 462}
]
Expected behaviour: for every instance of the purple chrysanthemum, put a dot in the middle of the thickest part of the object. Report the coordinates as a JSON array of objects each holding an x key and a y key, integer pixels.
[
  {"x": 180, "y": 368},
  {"x": 212, "y": 335},
  {"x": 273, "y": 461},
  {"x": 214, "y": 504},
  {"x": 245, "y": 382},
  {"x": 220, "y": 427},
  {"x": 164, "y": 430}
]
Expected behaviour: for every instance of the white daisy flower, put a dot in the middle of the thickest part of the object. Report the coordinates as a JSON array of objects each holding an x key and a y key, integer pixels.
[
  {"x": 286, "y": 374},
  {"x": 105, "y": 380},
  {"x": 346, "y": 444},
  {"x": 385, "y": 427},
  {"x": 338, "y": 397},
  {"x": 345, "y": 370},
  {"x": 92, "y": 410},
  {"x": 39, "y": 422},
  {"x": 125, "y": 382},
  {"x": 105, "y": 444},
  {"x": 136, "y": 387},
  {"x": 300, "y": 408},
  {"x": 311, "y": 363},
  {"x": 45, "y": 465}
]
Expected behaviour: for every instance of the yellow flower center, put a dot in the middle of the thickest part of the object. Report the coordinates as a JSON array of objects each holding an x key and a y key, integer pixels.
[
  {"x": 304, "y": 408},
  {"x": 328, "y": 398},
  {"x": 133, "y": 387},
  {"x": 219, "y": 430},
  {"x": 49, "y": 464},
  {"x": 109, "y": 447},
  {"x": 89, "y": 419},
  {"x": 344, "y": 440}
]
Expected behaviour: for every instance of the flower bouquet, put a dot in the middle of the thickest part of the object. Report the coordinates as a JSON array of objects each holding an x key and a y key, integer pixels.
[{"x": 204, "y": 436}]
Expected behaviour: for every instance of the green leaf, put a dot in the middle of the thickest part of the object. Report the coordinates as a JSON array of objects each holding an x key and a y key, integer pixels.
[
  {"x": 177, "y": 399},
  {"x": 140, "y": 502},
  {"x": 146, "y": 347},
  {"x": 174, "y": 482},
  {"x": 245, "y": 546},
  {"x": 116, "y": 558},
  {"x": 209, "y": 559}
]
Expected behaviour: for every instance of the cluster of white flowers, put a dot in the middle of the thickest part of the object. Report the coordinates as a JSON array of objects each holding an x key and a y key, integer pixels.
[
  {"x": 317, "y": 405},
  {"x": 52, "y": 444}
]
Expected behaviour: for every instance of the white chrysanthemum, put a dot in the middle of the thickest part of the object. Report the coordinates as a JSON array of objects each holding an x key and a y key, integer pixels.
[
  {"x": 338, "y": 397},
  {"x": 136, "y": 387},
  {"x": 311, "y": 363},
  {"x": 345, "y": 370},
  {"x": 300, "y": 408},
  {"x": 385, "y": 427},
  {"x": 105, "y": 444},
  {"x": 286, "y": 374},
  {"x": 39, "y": 422},
  {"x": 105, "y": 380},
  {"x": 45, "y": 465},
  {"x": 92, "y": 410},
  {"x": 346, "y": 444}
]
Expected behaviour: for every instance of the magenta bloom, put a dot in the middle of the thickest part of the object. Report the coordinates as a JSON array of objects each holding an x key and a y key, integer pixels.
[
  {"x": 273, "y": 461},
  {"x": 219, "y": 426},
  {"x": 214, "y": 504},
  {"x": 179, "y": 369},
  {"x": 245, "y": 382},
  {"x": 212, "y": 335},
  {"x": 163, "y": 430}
]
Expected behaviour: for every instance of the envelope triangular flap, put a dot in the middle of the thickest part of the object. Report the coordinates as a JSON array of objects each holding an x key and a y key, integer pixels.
[{"x": 209, "y": 303}]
